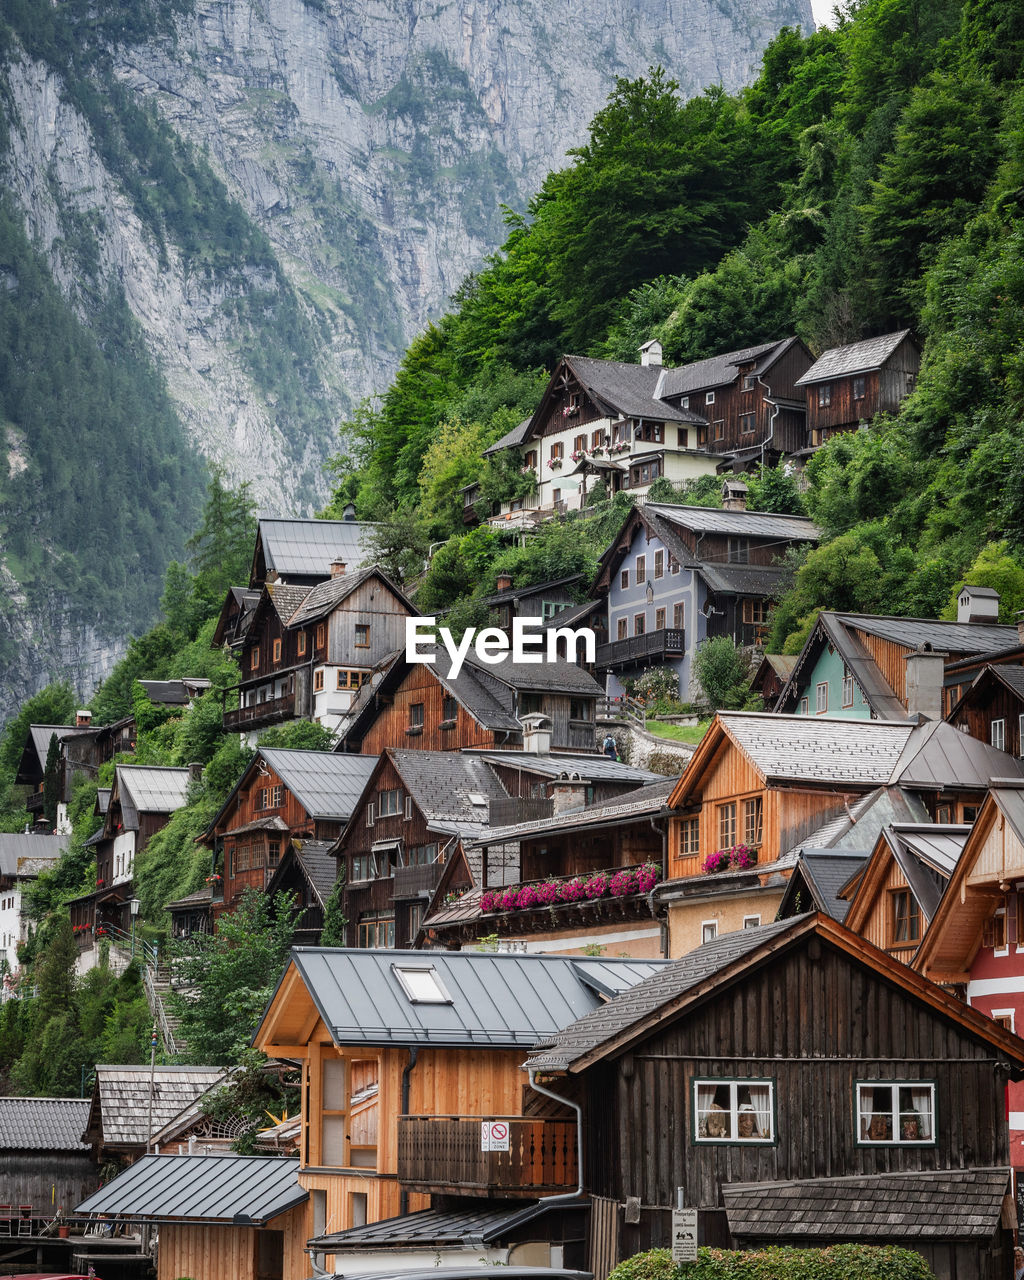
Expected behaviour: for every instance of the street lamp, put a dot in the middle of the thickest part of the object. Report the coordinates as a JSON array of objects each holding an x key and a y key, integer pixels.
[{"x": 133, "y": 907}]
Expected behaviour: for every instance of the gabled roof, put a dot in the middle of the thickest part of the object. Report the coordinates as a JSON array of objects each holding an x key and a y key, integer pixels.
[
  {"x": 315, "y": 864},
  {"x": 752, "y": 524},
  {"x": 43, "y": 1124},
  {"x": 26, "y": 855},
  {"x": 511, "y": 439},
  {"x": 926, "y": 853},
  {"x": 37, "y": 746},
  {"x": 1009, "y": 676},
  {"x": 149, "y": 788},
  {"x": 325, "y": 597},
  {"x": 937, "y": 755},
  {"x": 325, "y": 784},
  {"x": 303, "y": 549},
  {"x": 201, "y": 1189},
  {"x": 635, "y": 806},
  {"x": 612, "y": 1028},
  {"x": 627, "y": 390},
  {"x": 820, "y": 874},
  {"x": 498, "y": 1000},
  {"x": 856, "y": 754},
  {"x": 535, "y": 589},
  {"x": 444, "y": 785},
  {"x": 119, "y": 1111},
  {"x": 855, "y": 357},
  {"x": 559, "y": 764},
  {"x": 284, "y": 598},
  {"x": 720, "y": 370},
  {"x": 173, "y": 693}
]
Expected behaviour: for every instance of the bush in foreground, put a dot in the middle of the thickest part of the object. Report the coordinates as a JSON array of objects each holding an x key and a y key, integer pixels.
[{"x": 834, "y": 1262}]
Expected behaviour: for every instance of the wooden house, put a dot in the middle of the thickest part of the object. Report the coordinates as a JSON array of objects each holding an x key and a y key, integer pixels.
[
  {"x": 283, "y": 794},
  {"x": 403, "y": 1058},
  {"x": 818, "y": 880},
  {"x": 225, "y": 1216},
  {"x": 235, "y": 616},
  {"x": 991, "y": 708},
  {"x": 419, "y": 705},
  {"x": 847, "y": 386},
  {"x": 866, "y": 667},
  {"x": 865, "y": 1086},
  {"x": 22, "y": 858},
  {"x": 770, "y": 676},
  {"x": 43, "y": 1160},
  {"x": 81, "y": 749},
  {"x": 308, "y": 650},
  {"x": 131, "y": 1104},
  {"x": 308, "y": 871},
  {"x": 676, "y": 576},
  {"x": 544, "y": 600},
  {"x": 175, "y": 693}
]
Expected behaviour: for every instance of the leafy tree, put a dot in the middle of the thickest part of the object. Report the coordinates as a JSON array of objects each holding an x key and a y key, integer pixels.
[
  {"x": 994, "y": 567},
  {"x": 723, "y": 671},
  {"x": 51, "y": 781},
  {"x": 256, "y": 1092},
  {"x": 775, "y": 489},
  {"x": 299, "y": 735},
  {"x": 333, "y": 932}
]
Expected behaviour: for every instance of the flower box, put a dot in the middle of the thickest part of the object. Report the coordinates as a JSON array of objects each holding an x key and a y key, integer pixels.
[
  {"x": 551, "y": 893},
  {"x": 740, "y": 857}
]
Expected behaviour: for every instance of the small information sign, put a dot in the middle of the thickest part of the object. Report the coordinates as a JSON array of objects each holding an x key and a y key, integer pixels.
[
  {"x": 494, "y": 1135},
  {"x": 684, "y": 1235}
]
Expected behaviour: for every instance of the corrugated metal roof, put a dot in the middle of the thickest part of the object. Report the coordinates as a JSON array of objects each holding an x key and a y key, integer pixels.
[
  {"x": 149, "y": 789},
  {"x": 715, "y": 371},
  {"x": 17, "y": 849},
  {"x": 1011, "y": 803},
  {"x": 326, "y": 785},
  {"x": 122, "y": 1093},
  {"x": 755, "y": 524},
  {"x": 305, "y": 548},
  {"x": 855, "y": 357},
  {"x": 611, "y": 1020},
  {"x": 937, "y": 845},
  {"x": 43, "y": 1124},
  {"x": 943, "y": 637},
  {"x": 201, "y": 1189},
  {"x": 937, "y": 755},
  {"x": 862, "y": 753},
  {"x": 498, "y": 1000},
  {"x": 946, "y": 1204}
]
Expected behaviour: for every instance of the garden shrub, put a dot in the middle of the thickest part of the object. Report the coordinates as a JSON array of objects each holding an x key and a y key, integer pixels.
[{"x": 834, "y": 1262}]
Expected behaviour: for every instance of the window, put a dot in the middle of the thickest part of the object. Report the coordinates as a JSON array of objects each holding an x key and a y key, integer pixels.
[
  {"x": 944, "y": 813},
  {"x": 639, "y": 623},
  {"x": 689, "y": 837},
  {"x": 389, "y": 802},
  {"x": 659, "y": 564},
  {"x": 318, "y": 680},
  {"x": 273, "y": 853},
  {"x": 709, "y": 398},
  {"x": 320, "y": 638},
  {"x": 708, "y": 931},
  {"x": 748, "y": 381},
  {"x": 820, "y": 698},
  {"x": 824, "y": 395},
  {"x": 805, "y": 709},
  {"x": 905, "y": 917},
  {"x": 751, "y": 922},
  {"x": 620, "y": 628},
  {"x": 673, "y": 564},
  {"x": 363, "y": 866},
  {"x": 351, "y": 679},
  {"x": 718, "y": 429},
  {"x": 332, "y": 1146},
  {"x": 421, "y": 855},
  {"x": 449, "y": 708},
  {"x": 369, "y": 815},
  {"x": 752, "y": 820},
  {"x": 362, "y": 635},
  {"x": 408, "y": 808},
  {"x": 641, "y": 570},
  {"x": 994, "y": 933},
  {"x": 739, "y": 550},
  {"x": 859, "y": 388},
  {"x": 685, "y": 402},
  {"x": 678, "y": 615},
  {"x": 911, "y": 380},
  {"x": 733, "y": 1111},
  {"x": 748, "y": 421},
  {"x": 597, "y": 439},
  {"x": 998, "y": 734},
  {"x": 300, "y": 644},
  {"x": 659, "y": 619},
  {"x": 254, "y": 657},
  {"x": 702, "y": 437},
  {"x": 557, "y": 450},
  {"x": 847, "y": 687},
  {"x": 624, "y": 579},
  {"x": 755, "y": 612},
  {"x": 682, "y": 437},
  {"x": 416, "y": 715},
  {"x": 276, "y": 650},
  {"x": 580, "y": 443},
  {"x": 579, "y": 708},
  {"x": 376, "y": 930},
  {"x": 531, "y": 459},
  {"x": 1003, "y": 1018},
  {"x": 422, "y": 984},
  {"x": 969, "y": 812},
  {"x": 898, "y": 1112},
  {"x": 727, "y": 825}
]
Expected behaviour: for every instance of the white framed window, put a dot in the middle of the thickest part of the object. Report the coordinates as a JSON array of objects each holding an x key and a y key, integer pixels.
[
  {"x": 734, "y": 1111},
  {"x": 685, "y": 402},
  {"x": 709, "y": 398},
  {"x": 895, "y": 1113},
  {"x": 997, "y": 734},
  {"x": 408, "y": 808},
  {"x": 708, "y": 931},
  {"x": 751, "y": 922},
  {"x": 421, "y": 983},
  {"x": 369, "y": 815},
  {"x": 1004, "y": 1018},
  {"x": 821, "y": 698},
  {"x": 805, "y": 707},
  {"x": 847, "y": 688}
]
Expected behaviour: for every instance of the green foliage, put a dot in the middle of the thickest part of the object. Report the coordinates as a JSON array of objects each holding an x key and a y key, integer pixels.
[
  {"x": 299, "y": 735},
  {"x": 775, "y": 489},
  {"x": 257, "y": 1092},
  {"x": 51, "y": 781},
  {"x": 333, "y": 932},
  {"x": 833, "y": 1262},
  {"x": 723, "y": 671},
  {"x": 994, "y": 567}
]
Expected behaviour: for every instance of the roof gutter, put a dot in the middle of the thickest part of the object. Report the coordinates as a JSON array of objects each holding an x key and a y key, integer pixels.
[{"x": 563, "y": 1196}]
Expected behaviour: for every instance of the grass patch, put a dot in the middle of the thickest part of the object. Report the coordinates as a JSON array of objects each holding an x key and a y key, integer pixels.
[{"x": 691, "y": 733}]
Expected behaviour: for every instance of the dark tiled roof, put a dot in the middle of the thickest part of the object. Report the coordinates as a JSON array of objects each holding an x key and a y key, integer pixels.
[
  {"x": 442, "y": 783},
  {"x": 432, "y": 1227},
  {"x": 511, "y": 439},
  {"x": 944, "y": 637},
  {"x": 320, "y": 868},
  {"x": 43, "y": 1124},
  {"x": 627, "y": 389},
  {"x": 123, "y": 1093},
  {"x": 546, "y": 677},
  {"x": 201, "y": 1189},
  {"x": 286, "y": 599},
  {"x": 174, "y": 693},
  {"x": 632, "y": 807},
  {"x": 754, "y": 524},
  {"x": 716, "y": 371},
  {"x": 744, "y": 579},
  {"x": 326, "y": 596},
  {"x": 537, "y": 589},
  {"x": 950, "y": 1204},
  {"x": 201, "y": 898},
  {"x": 856, "y": 357},
  {"x": 825, "y": 871},
  {"x": 617, "y": 1016}
]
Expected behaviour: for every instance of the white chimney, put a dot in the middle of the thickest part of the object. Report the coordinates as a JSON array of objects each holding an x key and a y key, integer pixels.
[
  {"x": 977, "y": 604},
  {"x": 569, "y": 792},
  {"x": 536, "y": 734},
  {"x": 925, "y": 671},
  {"x": 650, "y": 352}
]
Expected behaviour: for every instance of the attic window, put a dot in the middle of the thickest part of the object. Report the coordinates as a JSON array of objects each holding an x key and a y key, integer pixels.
[
  {"x": 476, "y": 798},
  {"x": 421, "y": 985}
]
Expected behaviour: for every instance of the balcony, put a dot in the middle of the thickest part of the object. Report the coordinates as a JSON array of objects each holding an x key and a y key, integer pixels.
[
  {"x": 417, "y": 881},
  {"x": 442, "y": 1154},
  {"x": 653, "y": 646},
  {"x": 261, "y": 714},
  {"x": 511, "y": 810},
  {"x": 34, "y": 802}
]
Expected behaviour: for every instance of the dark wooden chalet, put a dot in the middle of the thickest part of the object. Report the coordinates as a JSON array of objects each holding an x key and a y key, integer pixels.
[
  {"x": 419, "y": 705},
  {"x": 792, "y": 1062},
  {"x": 307, "y": 871},
  {"x": 847, "y": 386},
  {"x": 81, "y": 748},
  {"x": 175, "y": 693},
  {"x": 283, "y": 794},
  {"x": 545, "y": 600},
  {"x": 770, "y": 677},
  {"x": 44, "y": 1162},
  {"x": 991, "y": 709},
  {"x": 235, "y": 616}
]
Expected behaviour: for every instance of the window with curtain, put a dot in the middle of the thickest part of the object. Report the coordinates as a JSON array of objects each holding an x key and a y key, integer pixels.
[
  {"x": 900, "y": 1113},
  {"x": 734, "y": 1111}
]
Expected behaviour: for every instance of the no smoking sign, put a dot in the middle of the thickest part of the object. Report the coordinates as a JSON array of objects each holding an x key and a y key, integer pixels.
[{"x": 494, "y": 1135}]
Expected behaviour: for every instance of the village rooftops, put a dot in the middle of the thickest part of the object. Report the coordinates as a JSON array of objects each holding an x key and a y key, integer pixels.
[
  {"x": 510, "y": 440},
  {"x": 302, "y": 550},
  {"x": 37, "y": 746},
  {"x": 720, "y": 370},
  {"x": 644, "y": 802},
  {"x": 819, "y": 874},
  {"x": 325, "y": 597},
  {"x": 43, "y": 1124},
  {"x": 120, "y": 1109},
  {"x": 316, "y": 864},
  {"x": 468, "y": 999},
  {"x": 174, "y": 693},
  {"x": 26, "y": 855},
  {"x": 437, "y": 1228},
  {"x": 149, "y": 788},
  {"x": 325, "y": 784},
  {"x": 220, "y": 1188},
  {"x": 856, "y": 357},
  {"x": 937, "y": 756},
  {"x": 627, "y": 390}
]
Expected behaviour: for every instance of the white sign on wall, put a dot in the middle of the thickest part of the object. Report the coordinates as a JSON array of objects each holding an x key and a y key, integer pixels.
[
  {"x": 494, "y": 1135},
  {"x": 684, "y": 1235}
]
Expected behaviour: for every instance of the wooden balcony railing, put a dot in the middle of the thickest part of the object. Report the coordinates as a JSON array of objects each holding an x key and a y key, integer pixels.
[
  {"x": 273, "y": 711},
  {"x": 443, "y": 1154},
  {"x": 661, "y": 644},
  {"x": 34, "y": 802},
  {"x": 412, "y": 882}
]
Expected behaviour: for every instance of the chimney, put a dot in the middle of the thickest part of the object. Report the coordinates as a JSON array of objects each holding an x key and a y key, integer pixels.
[
  {"x": 349, "y": 514},
  {"x": 504, "y": 582},
  {"x": 925, "y": 671},
  {"x": 569, "y": 792},
  {"x": 536, "y": 734},
  {"x": 650, "y": 353},
  {"x": 83, "y": 718},
  {"x": 734, "y": 495},
  {"x": 337, "y": 568},
  {"x": 195, "y": 773},
  {"x": 977, "y": 604}
]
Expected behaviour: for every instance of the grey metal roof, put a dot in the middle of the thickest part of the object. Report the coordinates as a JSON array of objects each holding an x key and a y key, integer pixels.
[
  {"x": 596, "y": 767},
  {"x": 715, "y": 371},
  {"x": 927, "y": 859},
  {"x": 824, "y": 871},
  {"x": 201, "y": 1189},
  {"x": 948, "y": 1204},
  {"x": 744, "y": 579},
  {"x": 860, "y": 753},
  {"x": 37, "y": 742},
  {"x": 43, "y": 1124},
  {"x": 325, "y": 784},
  {"x": 754, "y": 524},
  {"x": 21, "y": 854},
  {"x": 536, "y": 589},
  {"x": 498, "y": 1000},
  {"x": 944, "y": 637},
  {"x": 103, "y": 799},
  {"x": 120, "y": 1104},
  {"x": 937, "y": 845},
  {"x": 548, "y": 677},
  {"x": 481, "y": 1224},
  {"x": 635, "y": 806},
  {"x": 325, "y": 597},
  {"x": 511, "y": 439},
  {"x": 627, "y": 389},
  {"x": 149, "y": 788},
  {"x": 608, "y": 1021},
  {"x": 855, "y": 357},
  {"x": 937, "y": 755},
  {"x": 1010, "y": 800},
  {"x": 305, "y": 548},
  {"x": 859, "y": 826}
]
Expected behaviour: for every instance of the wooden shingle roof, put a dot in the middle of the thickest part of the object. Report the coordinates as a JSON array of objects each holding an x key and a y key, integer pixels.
[
  {"x": 855, "y": 357},
  {"x": 119, "y": 1111}
]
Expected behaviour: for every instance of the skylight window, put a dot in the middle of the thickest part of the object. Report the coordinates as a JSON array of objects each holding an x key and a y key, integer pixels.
[
  {"x": 421, "y": 985},
  {"x": 476, "y": 798}
]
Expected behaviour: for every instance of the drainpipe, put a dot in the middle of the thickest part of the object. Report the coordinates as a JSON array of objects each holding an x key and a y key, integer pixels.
[
  {"x": 663, "y": 832},
  {"x": 403, "y": 1198},
  {"x": 771, "y": 421},
  {"x": 578, "y": 1193}
]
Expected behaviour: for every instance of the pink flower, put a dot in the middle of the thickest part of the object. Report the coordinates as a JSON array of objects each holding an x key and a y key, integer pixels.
[
  {"x": 548, "y": 892},
  {"x": 507, "y": 901},
  {"x": 572, "y": 890},
  {"x": 488, "y": 901},
  {"x": 622, "y": 883},
  {"x": 526, "y": 897},
  {"x": 596, "y": 886},
  {"x": 647, "y": 877},
  {"x": 717, "y": 861}
]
